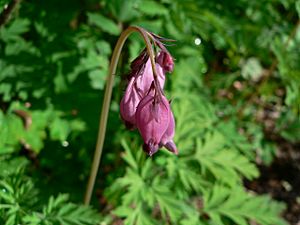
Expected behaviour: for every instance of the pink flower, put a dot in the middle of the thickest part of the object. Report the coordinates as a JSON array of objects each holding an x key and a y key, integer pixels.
[
  {"x": 138, "y": 87},
  {"x": 144, "y": 105},
  {"x": 145, "y": 80},
  {"x": 152, "y": 120}
]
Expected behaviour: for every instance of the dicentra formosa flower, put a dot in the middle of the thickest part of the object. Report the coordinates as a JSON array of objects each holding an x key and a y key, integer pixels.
[
  {"x": 144, "y": 105},
  {"x": 138, "y": 87},
  {"x": 155, "y": 122}
]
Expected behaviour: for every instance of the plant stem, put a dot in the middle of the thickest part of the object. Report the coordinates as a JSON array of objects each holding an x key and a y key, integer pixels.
[
  {"x": 8, "y": 10},
  {"x": 107, "y": 98}
]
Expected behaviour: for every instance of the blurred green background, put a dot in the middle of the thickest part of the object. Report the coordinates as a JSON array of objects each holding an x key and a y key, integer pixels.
[{"x": 235, "y": 94}]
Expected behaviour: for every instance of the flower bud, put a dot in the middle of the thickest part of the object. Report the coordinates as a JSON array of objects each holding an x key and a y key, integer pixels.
[
  {"x": 144, "y": 81},
  {"x": 137, "y": 66},
  {"x": 152, "y": 121},
  {"x": 165, "y": 60},
  {"x": 138, "y": 87}
]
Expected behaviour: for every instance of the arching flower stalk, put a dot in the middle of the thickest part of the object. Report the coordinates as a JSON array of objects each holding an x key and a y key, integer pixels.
[{"x": 144, "y": 105}]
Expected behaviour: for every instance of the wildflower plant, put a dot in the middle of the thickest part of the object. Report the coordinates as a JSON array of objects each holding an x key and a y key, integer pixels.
[{"x": 236, "y": 104}]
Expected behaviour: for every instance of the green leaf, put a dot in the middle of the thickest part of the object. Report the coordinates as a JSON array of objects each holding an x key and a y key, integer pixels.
[
  {"x": 16, "y": 28},
  {"x": 152, "y": 8},
  {"x": 5, "y": 90},
  {"x": 97, "y": 79},
  {"x": 124, "y": 11},
  {"x": 169, "y": 206},
  {"x": 214, "y": 157},
  {"x": 240, "y": 206},
  {"x": 60, "y": 81},
  {"x": 138, "y": 216},
  {"x": 292, "y": 132},
  {"x": 60, "y": 211},
  {"x": 12, "y": 132},
  {"x": 59, "y": 129},
  {"x": 128, "y": 157},
  {"x": 107, "y": 25}
]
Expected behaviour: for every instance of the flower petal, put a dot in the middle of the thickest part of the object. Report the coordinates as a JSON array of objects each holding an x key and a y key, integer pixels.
[
  {"x": 152, "y": 127},
  {"x": 129, "y": 104}
]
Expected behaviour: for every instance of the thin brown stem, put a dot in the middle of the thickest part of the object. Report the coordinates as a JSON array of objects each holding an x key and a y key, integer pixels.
[{"x": 8, "y": 10}]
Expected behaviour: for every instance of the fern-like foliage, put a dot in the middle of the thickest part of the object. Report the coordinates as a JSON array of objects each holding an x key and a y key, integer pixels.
[
  {"x": 17, "y": 194},
  {"x": 145, "y": 195},
  {"x": 61, "y": 212},
  {"x": 223, "y": 163},
  {"x": 19, "y": 202},
  {"x": 240, "y": 207}
]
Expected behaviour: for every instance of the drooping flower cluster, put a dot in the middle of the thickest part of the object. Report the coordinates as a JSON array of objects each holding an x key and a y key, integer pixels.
[{"x": 144, "y": 105}]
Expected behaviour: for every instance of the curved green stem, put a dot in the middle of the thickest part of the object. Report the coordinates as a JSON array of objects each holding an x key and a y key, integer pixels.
[{"x": 107, "y": 98}]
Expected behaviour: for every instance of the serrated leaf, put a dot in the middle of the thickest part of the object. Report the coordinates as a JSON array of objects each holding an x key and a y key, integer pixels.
[
  {"x": 169, "y": 206},
  {"x": 60, "y": 210},
  {"x": 16, "y": 28},
  {"x": 240, "y": 206},
  {"x": 216, "y": 158},
  {"x": 128, "y": 157}
]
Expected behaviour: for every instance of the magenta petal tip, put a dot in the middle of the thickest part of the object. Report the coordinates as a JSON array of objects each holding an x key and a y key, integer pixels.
[{"x": 171, "y": 147}]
